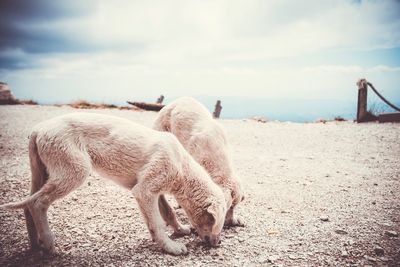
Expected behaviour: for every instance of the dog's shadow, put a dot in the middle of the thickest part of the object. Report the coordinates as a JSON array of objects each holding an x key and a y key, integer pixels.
[{"x": 134, "y": 255}]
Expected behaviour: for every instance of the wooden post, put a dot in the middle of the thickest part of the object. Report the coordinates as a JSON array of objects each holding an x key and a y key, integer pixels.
[
  {"x": 160, "y": 99},
  {"x": 362, "y": 100},
  {"x": 217, "y": 110}
]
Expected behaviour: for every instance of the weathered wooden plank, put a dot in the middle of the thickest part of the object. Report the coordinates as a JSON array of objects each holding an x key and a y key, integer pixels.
[
  {"x": 147, "y": 106},
  {"x": 389, "y": 117}
]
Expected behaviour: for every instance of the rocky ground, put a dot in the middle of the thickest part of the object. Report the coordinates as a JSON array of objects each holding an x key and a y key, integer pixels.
[{"x": 316, "y": 195}]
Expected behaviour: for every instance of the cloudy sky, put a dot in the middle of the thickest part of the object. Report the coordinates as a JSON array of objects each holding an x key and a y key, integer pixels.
[{"x": 111, "y": 51}]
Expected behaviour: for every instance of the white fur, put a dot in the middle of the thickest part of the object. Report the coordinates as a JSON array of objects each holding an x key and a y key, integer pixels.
[
  {"x": 64, "y": 150},
  {"x": 206, "y": 141}
]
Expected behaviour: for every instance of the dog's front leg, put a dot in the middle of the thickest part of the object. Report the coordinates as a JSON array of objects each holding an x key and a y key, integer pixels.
[
  {"x": 148, "y": 203},
  {"x": 231, "y": 220},
  {"x": 169, "y": 217}
]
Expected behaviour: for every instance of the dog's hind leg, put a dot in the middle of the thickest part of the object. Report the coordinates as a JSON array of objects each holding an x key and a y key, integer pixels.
[
  {"x": 168, "y": 214},
  {"x": 38, "y": 179},
  {"x": 65, "y": 175}
]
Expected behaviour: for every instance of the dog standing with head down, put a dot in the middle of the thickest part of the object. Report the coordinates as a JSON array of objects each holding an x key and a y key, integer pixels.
[
  {"x": 206, "y": 141},
  {"x": 64, "y": 150}
]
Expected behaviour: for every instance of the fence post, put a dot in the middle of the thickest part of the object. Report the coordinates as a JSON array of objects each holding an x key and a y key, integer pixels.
[
  {"x": 160, "y": 99},
  {"x": 217, "y": 110},
  {"x": 362, "y": 100}
]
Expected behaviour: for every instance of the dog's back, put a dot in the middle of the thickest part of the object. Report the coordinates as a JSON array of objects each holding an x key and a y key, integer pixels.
[{"x": 96, "y": 141}]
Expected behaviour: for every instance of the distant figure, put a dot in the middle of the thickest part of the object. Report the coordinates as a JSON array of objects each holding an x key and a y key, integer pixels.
[{"x": 217, "y": 110}]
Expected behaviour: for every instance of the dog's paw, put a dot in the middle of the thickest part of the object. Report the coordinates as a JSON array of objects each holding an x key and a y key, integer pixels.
[
  {"x": 46, "y": 245},
  {"x": 175, "y": 248},
  {"x": 182, "y": 231},
  {"x": 234, "y": 222}
]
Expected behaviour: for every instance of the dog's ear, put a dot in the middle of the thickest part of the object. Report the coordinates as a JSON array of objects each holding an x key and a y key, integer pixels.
[{"x": 211, "y": 215}]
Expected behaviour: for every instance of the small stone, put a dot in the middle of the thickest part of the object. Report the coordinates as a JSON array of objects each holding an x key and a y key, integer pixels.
[
  {"x": 324, "y": 218},
  {"x": 341, "y": 232},
  {"x": 392, "y": 233},
  {"x": 344, "y": 253},
  {"x": 273, "y": 258},
  {"x": 384, "y": 259},
  {"x": 292, "y": 257},
  {"x": 273, "y": 232},
  {"x": 369, "y": 258},
  {"x": 379, "y": 251}
]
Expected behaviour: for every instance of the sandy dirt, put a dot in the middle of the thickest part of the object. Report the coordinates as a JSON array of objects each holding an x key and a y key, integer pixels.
[{"x": 316, "y": 195}]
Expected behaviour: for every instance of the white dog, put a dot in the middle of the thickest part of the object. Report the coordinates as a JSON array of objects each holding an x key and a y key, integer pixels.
[
  {"x": 64, "y": 150},
  {"x": 206, "y": 141}
]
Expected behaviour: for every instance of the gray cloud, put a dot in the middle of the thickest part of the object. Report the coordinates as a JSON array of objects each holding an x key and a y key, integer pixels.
[{"x": 26, "y": 26}]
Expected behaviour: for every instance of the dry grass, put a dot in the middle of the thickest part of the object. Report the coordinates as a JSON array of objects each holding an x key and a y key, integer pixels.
[{"x": 82, "y": 104}]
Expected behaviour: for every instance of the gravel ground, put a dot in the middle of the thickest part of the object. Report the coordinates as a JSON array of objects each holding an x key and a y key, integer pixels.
[{"x": 316, "y": 195}]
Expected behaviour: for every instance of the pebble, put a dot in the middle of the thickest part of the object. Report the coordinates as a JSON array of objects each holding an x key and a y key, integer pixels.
[
  {"x": 379, "y": 251},
  {"x": 324, "y": 218},
  {"x": 273, "y": 258},
  {"x": 392, "y": 233},
  {"x": 369, "y": 258},
  {"x": 344, "y": 253},
  {"x": 384, "y": 259},
  {"x": 341, "y": 232}
]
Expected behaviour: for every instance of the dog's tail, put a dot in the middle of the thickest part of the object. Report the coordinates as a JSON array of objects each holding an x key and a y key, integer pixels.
[
  {"x": 39, "y": 176},
  {"x": 21, "y": 204}
]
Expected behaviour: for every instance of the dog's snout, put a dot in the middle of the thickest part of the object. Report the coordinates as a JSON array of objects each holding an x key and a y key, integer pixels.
[{"x": 212, "y": 241}]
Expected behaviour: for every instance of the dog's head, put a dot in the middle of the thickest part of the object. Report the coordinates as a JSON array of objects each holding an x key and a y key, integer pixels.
[{"x": 210, "y": 221}]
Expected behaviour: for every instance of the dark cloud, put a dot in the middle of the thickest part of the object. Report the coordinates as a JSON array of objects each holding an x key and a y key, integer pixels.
[
  {"x": 43, "y": 10},
  {"x": 27, "y": 26}
]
